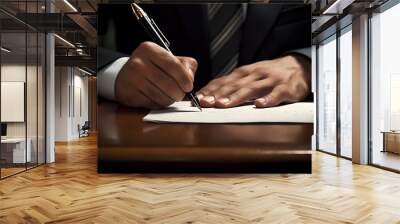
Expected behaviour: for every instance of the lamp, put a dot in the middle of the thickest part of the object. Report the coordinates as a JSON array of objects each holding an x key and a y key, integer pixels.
[
  {"x": 70, "y": 5},
  {"x": 84, "y": 71},
  {"x": 5, "y": 50},
  {"x": 64, "y": 40},
  {"x": 337, "y": 7}
]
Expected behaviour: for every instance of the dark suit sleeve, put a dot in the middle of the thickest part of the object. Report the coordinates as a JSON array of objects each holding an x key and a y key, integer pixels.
[{"x": 291, "y": 33}]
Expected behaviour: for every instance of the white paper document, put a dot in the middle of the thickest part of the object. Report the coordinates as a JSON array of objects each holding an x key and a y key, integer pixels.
[{"x": 183, "y": 112}]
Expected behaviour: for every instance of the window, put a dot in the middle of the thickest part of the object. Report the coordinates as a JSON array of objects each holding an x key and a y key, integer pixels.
[
  {"x": 385, "y": 89},
  {"x": 326, "y": 101},
  {"x": 346, "y": 92}
]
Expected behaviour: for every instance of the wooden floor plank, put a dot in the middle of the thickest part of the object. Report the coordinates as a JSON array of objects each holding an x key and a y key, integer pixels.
[{"x": 71, "y": 191}]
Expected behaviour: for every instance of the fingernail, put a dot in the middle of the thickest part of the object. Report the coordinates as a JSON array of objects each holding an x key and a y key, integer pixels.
[
  {"x": 199, "y": 96},
  {"x": 224, "y": 100},
  {"x": 261, "y": 100},
  {"x": 209, "y": 99}
]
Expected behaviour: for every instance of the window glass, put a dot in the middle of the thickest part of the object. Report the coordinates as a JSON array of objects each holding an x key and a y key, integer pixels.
[
  {"x": 385, "y": 88},
  {"x": 15, "y": 150},
  {"x": 327, "y": 95},
  {"x": 22, "y": 89},
  {"x": 345, "y": 92}
]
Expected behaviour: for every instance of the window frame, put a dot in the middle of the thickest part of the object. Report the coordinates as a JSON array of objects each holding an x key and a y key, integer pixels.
[
  {"x": 378, "y": 10},
  {"x": 342, "y": 26}
]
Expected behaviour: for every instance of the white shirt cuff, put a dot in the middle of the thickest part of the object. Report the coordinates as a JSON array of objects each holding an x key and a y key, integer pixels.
[{"x": 107, "y": 76}]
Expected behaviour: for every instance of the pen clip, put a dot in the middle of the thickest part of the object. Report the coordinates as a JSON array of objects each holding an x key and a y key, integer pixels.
[{"x": 159, "y": 32}]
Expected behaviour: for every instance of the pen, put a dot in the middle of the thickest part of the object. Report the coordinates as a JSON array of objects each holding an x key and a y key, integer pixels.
[{"x": 158, "y": 37}]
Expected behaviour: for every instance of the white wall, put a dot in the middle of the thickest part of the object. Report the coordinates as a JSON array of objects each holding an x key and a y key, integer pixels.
[
  {"x": 62, "y": 81},
  {"x": 71, "y": 93},
  {"x": 16, "y": 72}
]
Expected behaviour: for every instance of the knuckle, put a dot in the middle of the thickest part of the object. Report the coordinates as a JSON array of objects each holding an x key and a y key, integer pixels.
[
  {"x": 259, "y": 70},
  {"x": 225, "y": 89},
  {"x": 194, "y": 62},
  {"x": 216, "y": 81},
  {"x": 206, "y": 91},
  {"x": 190, "y": 60},
  {"x": 136, "y": 61},
  {"x": 221, "y": 92},
  {"x": 146, "y": 45},
  {"x": 241, "y": 70},
  {"x": 175, "y": 60},
  {"x": 246, "y": 69},
  {"x": 236, "y": 85}
]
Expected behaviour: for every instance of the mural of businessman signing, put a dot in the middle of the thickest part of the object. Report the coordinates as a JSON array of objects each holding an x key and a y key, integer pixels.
[{"x": 228, "y": 54}]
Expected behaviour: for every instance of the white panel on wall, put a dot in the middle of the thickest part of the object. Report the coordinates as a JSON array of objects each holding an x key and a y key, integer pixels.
[{"x": 12, "y": 101}]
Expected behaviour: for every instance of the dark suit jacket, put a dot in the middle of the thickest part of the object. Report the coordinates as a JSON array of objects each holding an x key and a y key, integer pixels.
[{"x": 269, "y": 32}]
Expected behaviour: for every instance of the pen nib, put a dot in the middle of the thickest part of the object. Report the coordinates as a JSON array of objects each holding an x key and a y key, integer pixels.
[{"x": 195, "y": 101}]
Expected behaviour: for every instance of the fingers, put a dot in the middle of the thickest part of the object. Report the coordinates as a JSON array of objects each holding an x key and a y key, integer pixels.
[
  {"x": 269, "y": 82},
  {"x": 154, "y": 77},
  {"x": 233, "y": 94},
  {"x": 206, "y": 94},
  {"x": 245, "y": 93},
  {"x": 141, "y": 100},
  {"x": 206, "y": 101},
  {"x": 236, "y": 98},
  {"x": 278, "y": 95},
  {"x": 155, "y": 93},
  {"x": 212, "y": 86},
  {"x": 170, "y": 64},
  {"x": 129, "y": 95},
  {"x": 141, "y": 83},
  {"x": 165, "y": 83},
  {"x": 252, "y": 81}
]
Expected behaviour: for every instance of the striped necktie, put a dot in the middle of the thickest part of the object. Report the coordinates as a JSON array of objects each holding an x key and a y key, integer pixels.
[{"x": 225, "y": 23}]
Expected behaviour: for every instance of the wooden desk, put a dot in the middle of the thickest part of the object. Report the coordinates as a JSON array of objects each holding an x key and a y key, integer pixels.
[{"x": 127, "y": 144}]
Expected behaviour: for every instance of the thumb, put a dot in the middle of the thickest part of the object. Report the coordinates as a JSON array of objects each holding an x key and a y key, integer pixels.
[{"x": 189, "y": 63}]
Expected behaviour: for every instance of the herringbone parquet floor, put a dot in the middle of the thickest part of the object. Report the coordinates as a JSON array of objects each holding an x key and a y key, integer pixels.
[{"x": 70, "y": 191}]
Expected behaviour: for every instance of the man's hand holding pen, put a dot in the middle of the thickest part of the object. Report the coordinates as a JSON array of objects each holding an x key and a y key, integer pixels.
[{"x": 154, "y": 78}]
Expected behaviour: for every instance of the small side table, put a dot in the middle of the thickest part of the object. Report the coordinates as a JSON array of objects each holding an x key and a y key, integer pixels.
[{"x": 391, "y": 141}]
